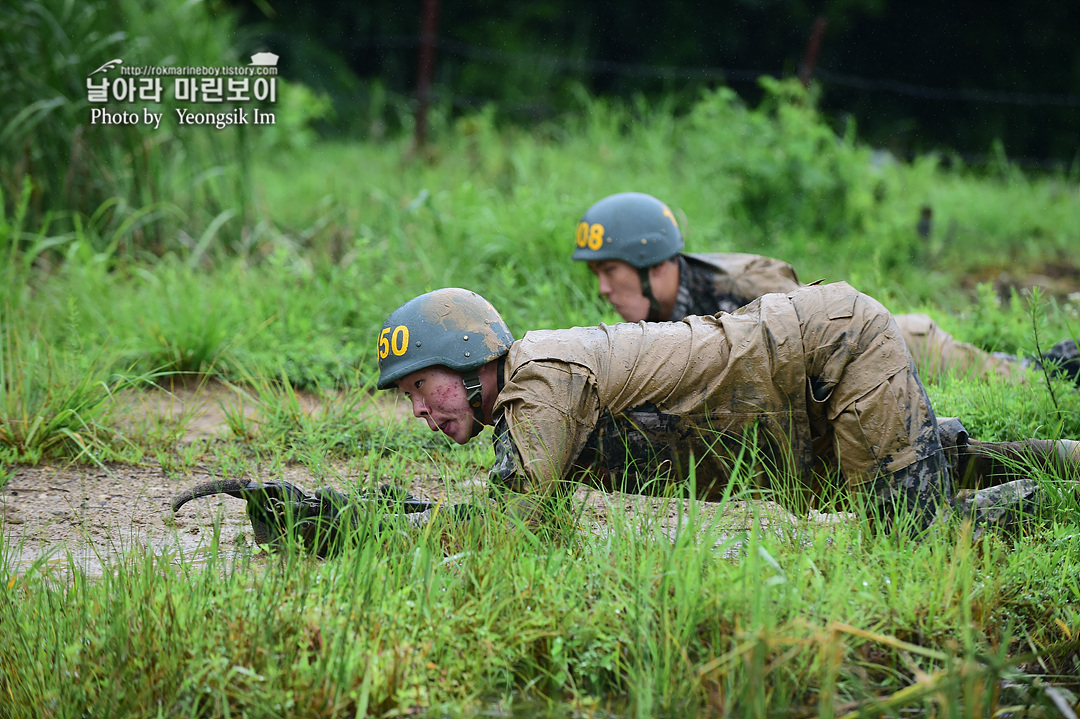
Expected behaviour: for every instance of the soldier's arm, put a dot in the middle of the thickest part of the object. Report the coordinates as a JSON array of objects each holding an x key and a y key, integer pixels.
[{"x": 546, "y": 412}]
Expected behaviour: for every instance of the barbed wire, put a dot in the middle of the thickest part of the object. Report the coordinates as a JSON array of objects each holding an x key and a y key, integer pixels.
[
  {"x": 725, "y": 75},
  {"x": 556, "y": 62},
  {"x": 936, "y": 93},
  {"x": 687, "y": 72}
]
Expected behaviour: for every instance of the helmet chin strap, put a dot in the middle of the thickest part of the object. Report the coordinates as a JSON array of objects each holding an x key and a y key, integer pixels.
[
  {"x": 646, "y": 289},
  {"x": 474, "y": 393}
]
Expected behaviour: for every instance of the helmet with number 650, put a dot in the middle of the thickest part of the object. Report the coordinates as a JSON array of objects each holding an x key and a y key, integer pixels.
[
  {"x": 452, "y": 327},
  {"x": 633, "y": 227}
]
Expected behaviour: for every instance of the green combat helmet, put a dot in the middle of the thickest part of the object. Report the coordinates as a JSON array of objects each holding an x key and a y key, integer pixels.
[
  {"x": 452, "y": 327},
  {"x": 633, "y": 227}
]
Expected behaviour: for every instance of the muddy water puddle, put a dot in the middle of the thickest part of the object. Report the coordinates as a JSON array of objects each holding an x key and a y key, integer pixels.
[
  {"x": 90, "y": 515},
  {"x": 91, "y": 562},
  {"x": 93, "y": 552}
]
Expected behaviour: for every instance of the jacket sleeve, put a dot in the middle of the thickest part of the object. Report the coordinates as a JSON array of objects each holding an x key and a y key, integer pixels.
[{"x": 548, "y": 409}]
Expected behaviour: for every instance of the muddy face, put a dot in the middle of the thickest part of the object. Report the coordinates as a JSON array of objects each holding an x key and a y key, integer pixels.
[
  {"x": 620, "y": 285},
  {"x": 438, "y": 397}
]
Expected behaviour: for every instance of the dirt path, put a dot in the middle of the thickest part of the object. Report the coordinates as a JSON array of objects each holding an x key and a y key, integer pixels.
[
  {"x": 98, "y": 513},
  {"x": 95, "y": 514}
]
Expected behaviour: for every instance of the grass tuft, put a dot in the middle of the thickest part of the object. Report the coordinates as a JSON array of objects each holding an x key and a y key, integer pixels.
[{"x": 54, "y": 405}]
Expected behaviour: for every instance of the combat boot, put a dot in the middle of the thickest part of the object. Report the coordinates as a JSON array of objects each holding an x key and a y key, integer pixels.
[{"x": 986, "y": 464}]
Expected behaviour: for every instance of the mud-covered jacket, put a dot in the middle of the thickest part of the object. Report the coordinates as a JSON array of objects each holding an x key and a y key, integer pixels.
[
  {"x": 630, "y": 402},
  {"x": 723, "y": 282}
]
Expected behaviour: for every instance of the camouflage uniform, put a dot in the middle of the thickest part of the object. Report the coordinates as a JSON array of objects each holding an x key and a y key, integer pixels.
[
  {"x": 723, "y": 282},
  {"x": 818, "y": 378}
]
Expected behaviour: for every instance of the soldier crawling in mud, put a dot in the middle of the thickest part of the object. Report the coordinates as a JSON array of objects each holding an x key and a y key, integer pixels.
[
  {"x": 818, "y": 379},
  {"x": 632, "y": 243}
]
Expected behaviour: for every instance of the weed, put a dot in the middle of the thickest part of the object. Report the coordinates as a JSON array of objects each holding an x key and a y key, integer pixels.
[
  {"x": 77, "y": 169},
  {"x": 52, "y": 404}
]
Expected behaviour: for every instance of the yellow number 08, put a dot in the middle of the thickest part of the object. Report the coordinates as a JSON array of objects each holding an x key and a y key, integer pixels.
[
  {"x": 397, "y": 343},
  {"x": 591, "y": 235}
]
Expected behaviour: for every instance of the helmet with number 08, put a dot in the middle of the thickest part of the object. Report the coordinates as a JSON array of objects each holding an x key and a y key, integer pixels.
[
  {"x": 452, "y": 327},
  {"x": 633, "y": 227}
]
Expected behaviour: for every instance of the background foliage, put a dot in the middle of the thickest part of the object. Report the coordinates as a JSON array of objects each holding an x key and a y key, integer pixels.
[
  {"x": 138, "y": 185},
  {"x": 912, "y": 76}
]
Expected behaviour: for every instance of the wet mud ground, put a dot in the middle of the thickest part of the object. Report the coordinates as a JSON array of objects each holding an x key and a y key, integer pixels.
[{"x": 93, "y": 515}]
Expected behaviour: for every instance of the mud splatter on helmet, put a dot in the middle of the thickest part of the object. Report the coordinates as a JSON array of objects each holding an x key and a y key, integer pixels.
[{"x": 452, "y": 327}]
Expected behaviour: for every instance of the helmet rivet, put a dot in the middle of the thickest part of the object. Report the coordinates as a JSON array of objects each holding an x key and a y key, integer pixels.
[
  {"x": 466, "y": 354},
  {"x": 466, "y": 338},
  {"x": 417, "y": 343}
]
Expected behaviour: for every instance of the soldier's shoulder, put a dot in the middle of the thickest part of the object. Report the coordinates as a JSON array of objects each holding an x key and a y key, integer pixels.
[
  {"x": 720, "y": 259},
  {"x": 566, "y": 345},
  {"x": 733, "y": 262},
  {"x": 774, "y": 274}
]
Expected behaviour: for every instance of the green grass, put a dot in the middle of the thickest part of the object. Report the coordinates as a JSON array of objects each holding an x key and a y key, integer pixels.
[
  {"x": 460, "y": 618},
  {"x": 115, "y": 174},
  {"x": 348, "y": 231},
  {"x": 54, "y": 404},
  {"x": 288, "y": 294}
]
